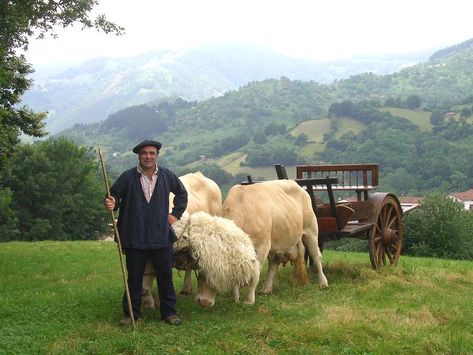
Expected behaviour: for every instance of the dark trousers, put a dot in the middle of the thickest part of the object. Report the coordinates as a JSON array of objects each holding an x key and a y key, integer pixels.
[{"x": 162, "y": 263}]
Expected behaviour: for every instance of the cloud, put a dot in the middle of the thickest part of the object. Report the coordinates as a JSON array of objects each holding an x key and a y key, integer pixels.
[{"x": 303, "y": 28}]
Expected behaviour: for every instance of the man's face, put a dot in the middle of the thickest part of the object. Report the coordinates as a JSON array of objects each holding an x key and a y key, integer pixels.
[{"x": 148, "y": 157}]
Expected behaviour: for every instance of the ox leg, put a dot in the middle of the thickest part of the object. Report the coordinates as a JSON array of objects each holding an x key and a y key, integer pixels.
[
  {"x": 262, "y": 252},
  {"x": 187, "y": 286},
  {"x": 310, "y": 242},
  {"x": 268, "y": 283},
  {"x": 250, "y": 297},
  {"x": 147, "y": 285},
  {"x": 236, "y": 294}
]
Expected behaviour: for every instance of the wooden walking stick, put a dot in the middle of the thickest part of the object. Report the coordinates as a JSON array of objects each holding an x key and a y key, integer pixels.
[{"x": 117, "y": 237}]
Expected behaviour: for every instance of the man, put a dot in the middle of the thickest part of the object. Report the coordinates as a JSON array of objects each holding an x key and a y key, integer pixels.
[{"x": 144, "y": 224}]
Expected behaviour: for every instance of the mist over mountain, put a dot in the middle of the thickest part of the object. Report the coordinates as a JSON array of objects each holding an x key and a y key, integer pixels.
[{"x": 90, "y": 91}]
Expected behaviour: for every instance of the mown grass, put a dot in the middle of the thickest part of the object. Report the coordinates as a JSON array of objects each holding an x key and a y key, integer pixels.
[
  {"x": 418, "y": 117},
  {"x": 315, "y": 130},
  {"x": 64, "y": 298}
]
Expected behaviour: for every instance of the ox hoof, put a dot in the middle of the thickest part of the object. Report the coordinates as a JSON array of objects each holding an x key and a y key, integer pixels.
[
  {"x": 205, "y": 303},
  {"x": 251, "y": 303},
  {"x": 149, "y": 304},
  {"x": 185, "y": 292},
  {"x": 264, "y": 292}
]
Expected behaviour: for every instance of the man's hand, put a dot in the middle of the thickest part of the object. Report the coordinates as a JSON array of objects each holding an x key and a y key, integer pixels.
[
  {"x": 172, "y": 219},
  {"x": 109, "y": 203}
]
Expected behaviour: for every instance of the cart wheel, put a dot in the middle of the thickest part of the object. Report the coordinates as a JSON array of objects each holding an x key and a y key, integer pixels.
[{"x": 387, "y": 232}]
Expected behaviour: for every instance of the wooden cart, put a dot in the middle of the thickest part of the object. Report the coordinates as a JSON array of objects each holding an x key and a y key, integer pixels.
[{"x": 378, "y": 217}]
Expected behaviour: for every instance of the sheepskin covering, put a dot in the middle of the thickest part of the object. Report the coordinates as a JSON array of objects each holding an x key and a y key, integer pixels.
[{"x": 225, "y": 254}]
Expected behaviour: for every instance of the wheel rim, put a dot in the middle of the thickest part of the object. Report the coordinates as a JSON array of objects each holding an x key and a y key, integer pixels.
[{"x": 386, "y": 234}]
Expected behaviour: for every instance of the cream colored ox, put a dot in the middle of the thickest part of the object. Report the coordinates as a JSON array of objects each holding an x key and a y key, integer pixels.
[
  {"x": 203, "y": 195},
  {"x": 221, "y": 253},
  {"x": 278, "y": 217}
]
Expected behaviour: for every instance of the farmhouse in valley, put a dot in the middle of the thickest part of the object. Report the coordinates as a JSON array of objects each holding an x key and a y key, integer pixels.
[{"x": 465, "y": 197}]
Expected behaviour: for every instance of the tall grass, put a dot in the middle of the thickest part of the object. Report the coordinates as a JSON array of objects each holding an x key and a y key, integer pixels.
[{"x": 64, "y": 298}]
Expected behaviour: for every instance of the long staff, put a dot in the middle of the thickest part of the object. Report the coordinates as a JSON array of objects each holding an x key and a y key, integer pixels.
[{"x": 117, "y": 237}]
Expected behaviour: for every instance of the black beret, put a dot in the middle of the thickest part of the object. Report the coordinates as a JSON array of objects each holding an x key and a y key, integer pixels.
[{"x": 147, "y": 143}]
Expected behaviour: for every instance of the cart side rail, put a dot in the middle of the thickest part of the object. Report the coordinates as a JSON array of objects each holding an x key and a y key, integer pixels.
[{"x": 356, "y": 177}]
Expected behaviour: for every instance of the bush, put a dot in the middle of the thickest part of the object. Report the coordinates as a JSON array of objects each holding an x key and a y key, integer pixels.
[
  {"x": 439, "y": 228},
  {"x": 8, "y": 217},
  {"x": 348, "y": 244},
  {"x": 57, "y": 193}
]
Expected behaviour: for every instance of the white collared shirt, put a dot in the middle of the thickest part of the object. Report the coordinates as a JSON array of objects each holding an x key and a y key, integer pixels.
[{"x": 148, "y": 183}]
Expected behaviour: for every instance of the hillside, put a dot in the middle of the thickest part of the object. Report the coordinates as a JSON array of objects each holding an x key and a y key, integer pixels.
[
  {"x": 246, "y": 131},
  {"x": 90, "y": 91}
]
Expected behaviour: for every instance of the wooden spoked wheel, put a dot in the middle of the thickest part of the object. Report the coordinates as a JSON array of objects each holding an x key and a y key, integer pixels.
[{"x": 385, "y": 239}]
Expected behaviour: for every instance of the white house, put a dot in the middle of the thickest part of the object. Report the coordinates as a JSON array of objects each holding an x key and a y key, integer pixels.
[{"x": 465, "y": 197}]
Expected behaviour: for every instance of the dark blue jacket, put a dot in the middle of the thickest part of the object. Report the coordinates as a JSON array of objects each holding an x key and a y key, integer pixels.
[{"x": 144, "y": 225}]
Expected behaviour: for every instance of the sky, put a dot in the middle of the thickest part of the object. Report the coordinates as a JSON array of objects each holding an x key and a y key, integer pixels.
[{"x": 314, "y": 29}]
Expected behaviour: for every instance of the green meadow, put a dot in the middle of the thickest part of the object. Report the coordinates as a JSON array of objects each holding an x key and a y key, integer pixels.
[
  {"x": 64, "y": 298},
  {"x": 420, "y": 118}
]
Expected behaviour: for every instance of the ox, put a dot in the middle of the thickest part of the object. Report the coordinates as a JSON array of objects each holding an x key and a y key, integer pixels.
[
  {"x": 278, "y": 217},
  {"x": 221, "y": 253},
  {"x": 203, "y": 195}
]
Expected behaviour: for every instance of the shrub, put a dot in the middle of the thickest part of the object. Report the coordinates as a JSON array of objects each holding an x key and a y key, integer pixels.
[
  {"x": 439, "y": 228},
  {"x": 57, "y": 193}
]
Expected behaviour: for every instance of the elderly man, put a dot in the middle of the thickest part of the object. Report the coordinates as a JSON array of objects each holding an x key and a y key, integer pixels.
[{"x": 144, "y": 224}]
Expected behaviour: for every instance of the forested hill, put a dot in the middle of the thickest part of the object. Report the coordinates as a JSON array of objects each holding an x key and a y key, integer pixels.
[
  {"x": 89, "y": 92},
  {"x": 446, "y": 52},
  {"x": 287, "y": 121}
]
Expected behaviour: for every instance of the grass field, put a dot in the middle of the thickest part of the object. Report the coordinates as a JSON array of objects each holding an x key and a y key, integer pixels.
[
  {"x": 315, "y": 130},
  {"x": 419, "y": 118},
  {"x": 64, "y": 298}
]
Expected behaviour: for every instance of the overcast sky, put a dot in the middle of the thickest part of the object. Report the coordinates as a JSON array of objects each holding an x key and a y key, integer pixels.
[{"x": 315, "y": 29}]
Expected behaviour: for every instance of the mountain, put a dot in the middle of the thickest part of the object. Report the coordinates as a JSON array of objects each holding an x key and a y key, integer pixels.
[
  {"x": 90, "y": 91},
  {"x": 289, "y": 121}
]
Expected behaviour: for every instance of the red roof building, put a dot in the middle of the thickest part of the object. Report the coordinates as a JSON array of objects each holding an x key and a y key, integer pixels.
[{"x": 465, "y": 197}]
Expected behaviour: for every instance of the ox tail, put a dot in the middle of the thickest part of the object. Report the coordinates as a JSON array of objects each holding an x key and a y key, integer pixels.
[{"x": 300, "y": 267}]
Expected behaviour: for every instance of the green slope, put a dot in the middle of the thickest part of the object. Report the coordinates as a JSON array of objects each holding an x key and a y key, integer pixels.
[{"x": 420, "y": 118}]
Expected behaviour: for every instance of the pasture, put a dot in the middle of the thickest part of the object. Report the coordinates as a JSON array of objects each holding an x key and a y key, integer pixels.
[
  {"x": 315, "y": 130},
  {"x": 419, "y": 118},
  {"x": 64, "y": 298}
]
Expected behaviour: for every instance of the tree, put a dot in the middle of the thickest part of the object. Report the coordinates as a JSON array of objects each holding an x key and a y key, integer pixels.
[
  {"x": 259, "y": 138},
  {"x": 439, "y": 228},
  {"x": 8, "y": 218},
  {"x": 399, "y": 181},
  {"x": 216, "y": 173},
  {"x": 465, "y": 112},
  {"x": 301, "y": 139},
  {"x": 437, "y": 118},
  {"x": 412, "y": 102},
  {"x": 19, "y": 21},
  {"x": 344, "y": 108},
  {"x": 57, "y": 192}
]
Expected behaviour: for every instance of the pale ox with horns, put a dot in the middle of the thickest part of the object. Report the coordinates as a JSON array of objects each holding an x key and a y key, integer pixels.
[{"x": 278, "y": 218}]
